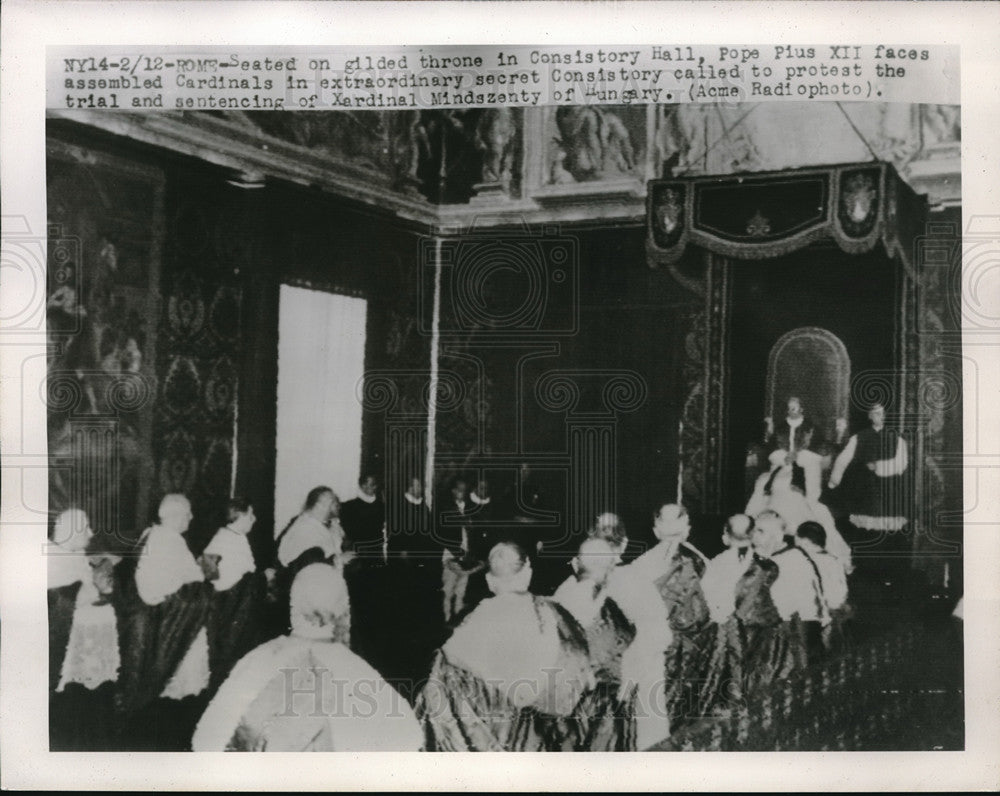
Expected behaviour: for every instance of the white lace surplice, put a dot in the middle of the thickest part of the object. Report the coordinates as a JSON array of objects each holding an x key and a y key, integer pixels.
[{"x": 92, "y": 656}]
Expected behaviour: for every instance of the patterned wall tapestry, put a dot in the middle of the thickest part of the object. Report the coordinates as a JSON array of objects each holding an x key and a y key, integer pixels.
[
  {"x": 105, "y": 220},
  {"x": 199, "y": 353},
  {"x": 397, "y": 378}
]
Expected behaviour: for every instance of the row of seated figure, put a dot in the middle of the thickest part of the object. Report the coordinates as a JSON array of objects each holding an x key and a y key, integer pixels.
[{"x": 216, "y": 653}]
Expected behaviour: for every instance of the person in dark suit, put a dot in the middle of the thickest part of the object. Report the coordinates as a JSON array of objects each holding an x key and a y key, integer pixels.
[
  {"x": 363, "y": 521},
  {"x": 484, "y": 531},
  {"x": 413, "y": 624}
]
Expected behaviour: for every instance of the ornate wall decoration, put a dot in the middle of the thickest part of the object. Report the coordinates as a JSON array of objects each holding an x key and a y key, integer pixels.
[
  {"x": 775, "y": 213},
  {"x": 499, "y": 141},
  {"x": 105, "y": 216},
  {"x": 706, "y": 139},
  {"x": 857, "y": 210},
  {"x": 587, "y": 143},
  {"x": 719, "y": 302},
  {"x": 691, "y": 453},
  {"x": 941, "y": 125},
  {"x": 935, "y": 398},
  {"x": 362, "y": 138},
  {"x": 199, "y": 348}
]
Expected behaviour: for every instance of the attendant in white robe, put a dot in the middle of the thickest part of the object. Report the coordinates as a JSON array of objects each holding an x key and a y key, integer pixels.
[
  {"x": 83, "y": 637},
  {"x": 338, "y": 702},
  {"x": 724, "y": 571},
  {"x": 456, "y": 564}
]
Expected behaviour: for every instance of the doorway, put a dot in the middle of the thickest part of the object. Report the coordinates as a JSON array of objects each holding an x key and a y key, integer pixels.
[{"x": 321, "y": 360}]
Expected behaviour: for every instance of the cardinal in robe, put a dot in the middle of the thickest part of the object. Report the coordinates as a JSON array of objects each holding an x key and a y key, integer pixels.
[
  {"x": 675, "y": 568},
  {"x": 307, "y": 692},
  {"x": 315, "y": 536},
  {"x": 511, "y": 670},
  {"x": 604, "y": 720},
  {"x": 236, "y": 623},
  {"x": 162, "y": 618}
]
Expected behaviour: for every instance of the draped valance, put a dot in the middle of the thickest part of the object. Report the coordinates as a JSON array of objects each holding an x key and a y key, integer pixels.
[{"x": 770, "y": 214}]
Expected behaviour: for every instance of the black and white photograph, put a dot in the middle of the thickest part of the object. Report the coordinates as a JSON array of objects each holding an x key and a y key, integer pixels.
[{"x": 505, "y": 424}]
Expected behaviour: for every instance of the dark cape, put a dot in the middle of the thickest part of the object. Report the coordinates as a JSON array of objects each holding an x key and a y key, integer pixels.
[
  {"x": 153, "y": 639},
  {"x": 693, "y": 631},
  {"x": 235, "y": 624},
  {"x": 461, "y": 712},
  {"x": 755, "y": 647},
  {"x": 280, "y": 592},
  {"x": 602, "y": 722}
]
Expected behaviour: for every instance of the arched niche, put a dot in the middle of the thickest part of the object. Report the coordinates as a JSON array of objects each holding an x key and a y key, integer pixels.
[{"x": 812, "y": 364}]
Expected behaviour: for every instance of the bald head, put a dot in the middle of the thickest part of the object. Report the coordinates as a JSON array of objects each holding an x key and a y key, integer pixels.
[
  {"x": 510, "y": 570},
  {"x": 175, "y": 512},
  {"x": 671, "y": 522},
  {"x": 595, "y": 560},
  {"x": 318, "y": 597},
  {"x": 768, "y": 532},
  {"x": 737, "y": 531}
]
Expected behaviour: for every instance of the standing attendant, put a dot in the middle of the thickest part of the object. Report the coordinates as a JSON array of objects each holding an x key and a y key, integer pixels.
[
  {"x": 414, "y": 622},
  {"x": 869, "y": 474},
  {"x": 484, "y": 531},
  {"x": 83, "y": 637},
  {"x": 363, "y": 521}
]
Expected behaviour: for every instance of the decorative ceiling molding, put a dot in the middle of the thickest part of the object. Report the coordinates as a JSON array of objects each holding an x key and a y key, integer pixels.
[{"x": 535, "y": 167}]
